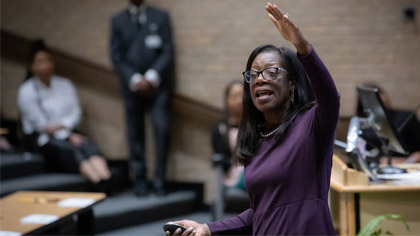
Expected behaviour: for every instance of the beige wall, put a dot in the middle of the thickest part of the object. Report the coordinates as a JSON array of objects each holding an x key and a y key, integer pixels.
[
  {"x": 103, "y": 121},
  {"x": 12, "y": 75},
  {"x": 358, "y": 40}
]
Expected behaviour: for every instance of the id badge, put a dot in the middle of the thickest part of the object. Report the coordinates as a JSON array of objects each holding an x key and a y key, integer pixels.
[{"x": 153, "y": 41}]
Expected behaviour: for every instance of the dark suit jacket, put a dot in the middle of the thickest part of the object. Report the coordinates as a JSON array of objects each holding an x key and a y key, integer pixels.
[{"x": 129, "y": 52}]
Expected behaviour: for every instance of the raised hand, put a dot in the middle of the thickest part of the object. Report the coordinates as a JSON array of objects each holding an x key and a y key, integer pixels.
[{"x": 288, "y": 29}]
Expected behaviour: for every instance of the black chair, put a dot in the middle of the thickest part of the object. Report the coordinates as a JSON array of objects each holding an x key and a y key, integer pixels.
[{"x": 227, "y": 199}]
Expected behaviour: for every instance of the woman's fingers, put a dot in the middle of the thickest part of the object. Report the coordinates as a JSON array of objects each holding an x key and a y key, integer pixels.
[
  {"x": 281, "y": 28},
  {"x": 188, "y": 232},
  {"x": 275, "y": 11},
  {"x": 270, "y": 10},
  {"x": 288, "y": 29},
  {"x": 181, "y": 222},
  {"x": 278, "y": 12},
  {"x": 274, "y": 20},
  {"x": 189, "y": 224},
  {"x": 281, "y": 21}
]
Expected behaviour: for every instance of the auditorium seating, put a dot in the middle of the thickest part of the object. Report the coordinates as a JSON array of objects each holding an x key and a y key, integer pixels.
[
  {"x": 26, "y": 171},
  {"x": 125, "y": 210}
]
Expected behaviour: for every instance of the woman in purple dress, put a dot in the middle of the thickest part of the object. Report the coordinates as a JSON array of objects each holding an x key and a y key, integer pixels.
[{"x": 285, "y": 141}]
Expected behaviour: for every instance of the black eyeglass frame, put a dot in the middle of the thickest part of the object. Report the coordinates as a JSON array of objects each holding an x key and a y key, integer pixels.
[{"x": 247, "y": 75}]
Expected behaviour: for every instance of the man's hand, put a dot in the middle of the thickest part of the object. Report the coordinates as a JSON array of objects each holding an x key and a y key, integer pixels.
[{"x": 145, "y": 88}]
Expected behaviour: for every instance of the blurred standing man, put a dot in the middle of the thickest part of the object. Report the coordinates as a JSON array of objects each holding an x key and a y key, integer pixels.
[{"x": 142, "y": 53}]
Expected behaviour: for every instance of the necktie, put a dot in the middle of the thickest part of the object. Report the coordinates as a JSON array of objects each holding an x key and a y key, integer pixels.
[{"x": 137, "y": 21}]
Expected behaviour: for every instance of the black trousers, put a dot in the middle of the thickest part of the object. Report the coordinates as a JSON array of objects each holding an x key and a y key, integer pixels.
[
  {"x": 136, "y": 108},
  {"x": 62, "y": 155}
]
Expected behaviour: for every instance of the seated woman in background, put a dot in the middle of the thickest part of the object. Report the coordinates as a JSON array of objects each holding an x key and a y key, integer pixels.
[
  {"x": 50, "y": 110},
  {"x": 224, "y": 133},
  {"x": 407, "y": 124}
]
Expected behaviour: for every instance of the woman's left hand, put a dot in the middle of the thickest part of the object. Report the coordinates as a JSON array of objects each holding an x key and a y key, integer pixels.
[
  {"x": 288, "y": 29},
  {"x": 193, "y": 229}
]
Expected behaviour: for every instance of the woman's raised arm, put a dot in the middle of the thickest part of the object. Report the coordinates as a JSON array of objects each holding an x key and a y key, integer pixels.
[{"x": 288, "y": 29}]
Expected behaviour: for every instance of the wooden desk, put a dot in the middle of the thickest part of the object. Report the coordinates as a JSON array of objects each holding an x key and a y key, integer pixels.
[
  {"x": 354, "y": 196},
  {"x": 20, "y": 204}
]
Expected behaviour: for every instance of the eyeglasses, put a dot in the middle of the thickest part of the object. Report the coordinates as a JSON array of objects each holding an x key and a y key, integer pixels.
[{"x": 268, "y": 74}]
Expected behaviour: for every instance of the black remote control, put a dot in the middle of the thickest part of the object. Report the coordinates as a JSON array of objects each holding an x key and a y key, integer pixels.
[{"x": 172, "y": 227}]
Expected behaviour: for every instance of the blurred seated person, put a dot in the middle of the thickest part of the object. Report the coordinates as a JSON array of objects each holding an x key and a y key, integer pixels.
[
  {"x": 50, "y": 110},
  {"x": 407, "y": 124},
  {"x": 224, "y": 132},
  {"x": 5, "y": 145},
  {"x": 9, "y": 140}
]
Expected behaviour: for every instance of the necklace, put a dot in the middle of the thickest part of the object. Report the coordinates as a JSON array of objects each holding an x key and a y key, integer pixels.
[{"x": 272, "y": 132}]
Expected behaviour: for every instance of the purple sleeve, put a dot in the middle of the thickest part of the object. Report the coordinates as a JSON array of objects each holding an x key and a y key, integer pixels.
[
  {"x": 237, "y": 225},
  {"x": 327, "y": 96}
]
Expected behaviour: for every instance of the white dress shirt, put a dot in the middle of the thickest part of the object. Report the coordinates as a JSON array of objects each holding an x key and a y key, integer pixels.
[{"x": 40, "y": 105}]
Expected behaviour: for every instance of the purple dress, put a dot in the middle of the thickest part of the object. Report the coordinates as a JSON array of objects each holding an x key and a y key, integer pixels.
[{"x": 288, "y": 183}]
